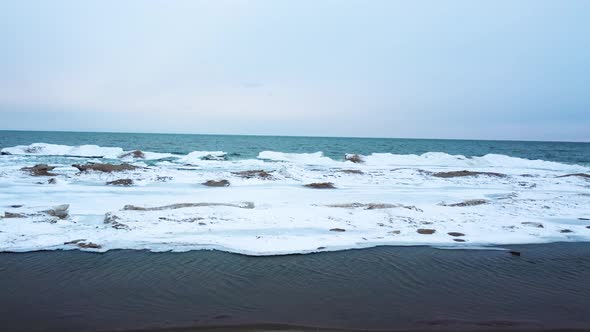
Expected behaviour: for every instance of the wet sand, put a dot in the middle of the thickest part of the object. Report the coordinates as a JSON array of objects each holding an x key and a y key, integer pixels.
[{"x": 380, "y": 289}]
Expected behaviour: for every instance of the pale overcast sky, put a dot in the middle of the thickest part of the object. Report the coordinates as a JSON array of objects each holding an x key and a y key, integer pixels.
[{"x": 498, "y": 69}]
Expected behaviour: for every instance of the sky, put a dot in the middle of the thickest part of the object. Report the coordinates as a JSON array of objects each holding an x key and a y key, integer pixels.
[{"x": 498, "y": 69}]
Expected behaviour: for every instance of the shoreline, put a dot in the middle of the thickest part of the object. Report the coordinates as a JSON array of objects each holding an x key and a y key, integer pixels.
[{"x": 437, "y": 246}]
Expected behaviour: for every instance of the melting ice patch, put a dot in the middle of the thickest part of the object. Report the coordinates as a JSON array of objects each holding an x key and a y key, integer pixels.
[{"x": 387, "y": 199}]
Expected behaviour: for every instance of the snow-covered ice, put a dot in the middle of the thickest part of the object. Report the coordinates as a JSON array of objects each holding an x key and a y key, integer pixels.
[{"x": 384, "y": 201}]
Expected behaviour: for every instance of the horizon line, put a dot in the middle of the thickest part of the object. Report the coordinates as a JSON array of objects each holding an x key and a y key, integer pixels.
[{"x": 292, "y": 136}]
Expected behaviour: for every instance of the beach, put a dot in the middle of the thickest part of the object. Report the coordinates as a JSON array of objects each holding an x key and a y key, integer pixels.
[{"x": 377, "y": 289}]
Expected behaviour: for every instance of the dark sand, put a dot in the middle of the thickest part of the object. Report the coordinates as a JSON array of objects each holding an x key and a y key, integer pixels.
[{"x": 380, "y": 289}]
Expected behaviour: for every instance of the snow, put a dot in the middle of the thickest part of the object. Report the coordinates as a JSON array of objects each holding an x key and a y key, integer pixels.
[{"x": 287, "y": 217}]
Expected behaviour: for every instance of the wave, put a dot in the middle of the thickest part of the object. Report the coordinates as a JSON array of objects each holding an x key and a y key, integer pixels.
[
  {"x": 429, "y": 159},
  {"x": 440, "y": 159},
  {"x": 316, "y": 158},
  {"x": 95, "y": 151},
  {"x": 197, "y": 156},
  {"x": 45, "y": 149}
]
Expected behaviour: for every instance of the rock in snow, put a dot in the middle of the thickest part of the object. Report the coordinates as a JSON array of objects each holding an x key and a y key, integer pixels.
[
  {"x": 107, "y": 168},
  {"x": 214, "y": 183},
  {"x": 120, "y": 182},
  {"x": 40, "y": 170}
]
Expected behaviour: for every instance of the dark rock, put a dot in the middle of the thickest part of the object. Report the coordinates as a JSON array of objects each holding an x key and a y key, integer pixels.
[
  {"x": 258, "y": 174},
  {"x": 566, "y": 231},
  {"x": 119, "y": 225},
  {"x": 3, "y": 153},
  {"x": 33, "y": 149},
  {"x": 588, "y": 227},
  {"x": 581, "y": 175},
  {"x": 426, "y": 231},
  {"x": 455, "y": 234},
  {"x": 337, "y": 230},
  {"x": 456, "y": 174},
  {"x": 16, "y": 206},
  {"x": 527, "y": 185},
  {"x": 355, "y": 158},
  {"x": 163, "y": 178},
  {"x": 60, "y": 211},
  {"x": 109, "y": 218},
  {"x": 379, "y": 206},
  {"x": 351, "y": 171},
  {"x": 107, "y": 168},
  {"x": 422, "y": 172},
  {"x": 347, "y": 205},
  {"x": 458, "y": 240},
  {"x": 320, "y": 185},
  {"x": 181, "y": 220},
  {"x": 374, "y": 206},
  {"x": 321, "y": 248},
  {"x": 213, "y": 157},
  {"x": 89, "y": 245},
  {"x": 112, "y": 219},
  {"x": 202, "y": 224},
  {"x": 585, "y": 219},
  {"x": 213, "y": 183},
  {"x": 242, "y": 205},
  {"x": 471, "y": 202},
  {"x": 135, "y": 154},
  {"x": 8, "y": 215},
  {"x": 514, "y": 253},
  {"x": 52, "y": 181},
  {"x": 533, "y": 224},
  {"x": 39, "y": 170},
  {"x": 74, "y": 241},
  {"x": 394, "y": 232},
  {"x": 120, "y": 182}
]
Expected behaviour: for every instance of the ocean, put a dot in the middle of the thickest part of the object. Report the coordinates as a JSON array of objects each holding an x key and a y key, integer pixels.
[{"x": 247, "y": 147}]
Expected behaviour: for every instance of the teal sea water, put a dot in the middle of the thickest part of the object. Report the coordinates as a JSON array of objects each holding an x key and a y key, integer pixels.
[{"x": 248, "y": 147}]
